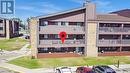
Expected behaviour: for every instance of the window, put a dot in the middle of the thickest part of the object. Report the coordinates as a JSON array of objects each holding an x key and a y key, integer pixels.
[
  {"x": 1, "y": 28},
  {"x": 125, "y": 48},
  {"x": 44, "y": 23},
  {"x": 45, "y": 49},
  {"x": 67, "y": 23},
  {"x": 45, "y": 36},
  {"x": 59, "y": 23},
  {"x": 1, "y": 25},
  {"x": 56, "y": 23},
  {"x": 79, "y": 24},
  {"x": 63, "y": 23},
  {"x": 56, "y": 36}
]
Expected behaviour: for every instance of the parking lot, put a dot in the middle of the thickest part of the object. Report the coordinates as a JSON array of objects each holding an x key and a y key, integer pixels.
[
  {"x": 120, "y": 70},
  {"x": 3, "y": 70},
  {"x": 126, "y": 70}
]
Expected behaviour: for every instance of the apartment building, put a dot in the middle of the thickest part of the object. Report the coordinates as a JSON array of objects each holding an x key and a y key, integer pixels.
[
  {"x": 8, "y": 28},
  {"x": 88, "y": 34},
  {"x": 124, "y": 12}
]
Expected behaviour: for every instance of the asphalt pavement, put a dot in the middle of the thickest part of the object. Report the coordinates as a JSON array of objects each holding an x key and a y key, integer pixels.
[{"x": 3, "y": 70}]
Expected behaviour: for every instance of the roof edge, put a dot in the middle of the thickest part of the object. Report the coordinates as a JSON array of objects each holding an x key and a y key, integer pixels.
[{"x": 59, "y": 13}]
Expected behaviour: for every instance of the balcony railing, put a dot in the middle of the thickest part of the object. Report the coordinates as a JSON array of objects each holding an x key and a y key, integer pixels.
[
  {"x": 1, "y": 31},
  {"x": 114, "y": 29},
  {"x": 125, "y": 41},
  {"x": 1, "y": 24},
  {"x": 55, "y": 42},
  {"x": 56, "y": 29},
  {"x": 113, "y": 42}
]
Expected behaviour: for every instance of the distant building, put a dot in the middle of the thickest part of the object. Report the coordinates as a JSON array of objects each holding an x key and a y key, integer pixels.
[
  {"x": 88, "y": 34},
  {"x": 125, "y": 12},
  {"x": 8, "y": 28}
]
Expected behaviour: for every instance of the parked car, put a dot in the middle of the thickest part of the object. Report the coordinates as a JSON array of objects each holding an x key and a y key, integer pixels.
[
  {"x": 63, "y": 70},
  {"x": 84, "y": 70},
  {"x": 26, "y": 36},
  {"x": 103, "y": 69}
]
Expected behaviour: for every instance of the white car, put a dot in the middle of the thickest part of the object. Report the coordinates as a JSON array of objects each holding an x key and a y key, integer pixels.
[{"x": 63, "y": 70}]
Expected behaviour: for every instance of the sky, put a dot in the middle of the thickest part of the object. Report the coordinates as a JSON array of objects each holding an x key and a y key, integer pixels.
[{"x": 32, "y": 8}]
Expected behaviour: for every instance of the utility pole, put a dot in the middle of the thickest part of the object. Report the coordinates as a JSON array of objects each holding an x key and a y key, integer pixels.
[{"x": 86, "y": 2}]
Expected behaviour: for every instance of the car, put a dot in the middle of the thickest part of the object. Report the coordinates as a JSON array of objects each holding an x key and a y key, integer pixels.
[
  {"x": 84, "y": 70},
  {"x": 103, "y": 69},
  {"x": 26, "y": 36},
  {"x": 63, "y": 70}
]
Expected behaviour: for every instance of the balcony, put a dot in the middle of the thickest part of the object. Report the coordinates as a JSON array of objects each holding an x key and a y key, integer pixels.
[
  {"x": 113, "y": 42},
  {"x": 1, "y": 28},
  {"x": 58, "y": 43},
  {"x": 55, "y": 29},
  {"x": 114, "y": 30},
  {"x": 125, "y": 42},
  {"x": 108, "y": 42},
  {"x": 1, "y": 24}
]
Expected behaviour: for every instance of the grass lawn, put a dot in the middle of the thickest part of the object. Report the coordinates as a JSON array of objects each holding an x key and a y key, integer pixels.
[
  {"x": 12, "y": 44},
  {"x": 79, "y": 61}
]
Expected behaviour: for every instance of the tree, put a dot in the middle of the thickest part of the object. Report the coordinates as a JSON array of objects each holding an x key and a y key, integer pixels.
[{"x": 20, "y": 22}]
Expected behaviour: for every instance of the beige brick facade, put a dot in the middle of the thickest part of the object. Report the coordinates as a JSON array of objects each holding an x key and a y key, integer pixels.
[
  {"x": 33, "y": 36},
  {"x": 7, "y": 30},
  {"x": 92, "y": 50}
]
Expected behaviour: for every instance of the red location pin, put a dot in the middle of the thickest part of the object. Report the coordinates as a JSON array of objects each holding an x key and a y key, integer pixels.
[{"x": 62, "y": 36}]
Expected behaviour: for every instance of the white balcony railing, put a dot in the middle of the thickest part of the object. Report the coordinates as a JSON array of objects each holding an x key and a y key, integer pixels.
[
  {"x": 1, "y": 31},
  {"x": 108, "y": 42},
  {"x": 114, "y": 42},
  {"x": 125, "y": 41},
  {"x": 114, "y": 29},
  {"x": 67, "y": 42},
  {"x": 55, "y": 29}
]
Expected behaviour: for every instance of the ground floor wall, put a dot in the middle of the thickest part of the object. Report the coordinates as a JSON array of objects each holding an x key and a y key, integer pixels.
[
  {"x": 57, "y": 55},
  {"x": 72, "y": 53},
  {"x": 114, "y": 51},
  {"x": 114, "y": 54}
]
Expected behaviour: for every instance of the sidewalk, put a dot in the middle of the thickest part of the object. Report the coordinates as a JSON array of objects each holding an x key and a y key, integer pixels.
[
  {"x": 14, "y": 68},
  {"x": 24, "y": 51},
  {"x": 10, "y": 55}
]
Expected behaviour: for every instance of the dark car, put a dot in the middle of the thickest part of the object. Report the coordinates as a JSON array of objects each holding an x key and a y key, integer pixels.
[
  {"x": 84, "y": 70},
  {"x": 103, "y": 69}
]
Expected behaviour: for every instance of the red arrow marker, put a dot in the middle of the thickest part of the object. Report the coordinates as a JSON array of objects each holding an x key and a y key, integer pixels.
[{"x": 63, "y": 36}]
